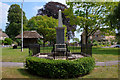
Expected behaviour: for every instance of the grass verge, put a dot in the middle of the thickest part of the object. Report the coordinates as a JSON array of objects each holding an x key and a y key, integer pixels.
[{"x": 98, "y": 72}]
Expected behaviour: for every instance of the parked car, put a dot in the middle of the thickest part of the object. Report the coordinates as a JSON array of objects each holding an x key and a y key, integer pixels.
[{"x": 117, "y": 46}]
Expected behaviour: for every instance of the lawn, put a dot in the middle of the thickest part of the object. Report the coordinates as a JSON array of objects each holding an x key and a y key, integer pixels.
[
  {"x": 14, "y": 55},
  {"x": 105, "y": 54},
  {"x": 100, "y": 54},
  {"x": 104, "y": 72},
  {"x": 98, "y": 72}
]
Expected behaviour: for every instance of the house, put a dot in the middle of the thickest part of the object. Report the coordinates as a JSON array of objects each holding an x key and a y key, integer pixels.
[
  {"x": 3, "y": 35},
  {"x": 29, "y": 37},
  {"x": 98, "y": 36}
]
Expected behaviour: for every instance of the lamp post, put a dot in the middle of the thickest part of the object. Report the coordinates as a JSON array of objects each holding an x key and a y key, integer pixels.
[{"x": 22, "y": 26}]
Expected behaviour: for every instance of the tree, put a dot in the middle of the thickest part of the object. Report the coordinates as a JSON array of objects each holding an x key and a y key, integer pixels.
[
  {"x": 13, "y": 27},
  {"x": 51, "y": 9},
  {"x": 7, "y": 41},
  {"x": 113, "y": 19},
  {"x": 76, "y": 40},
  {"x": 45, "y": 26},
  {"x": 89, "y": 16}
]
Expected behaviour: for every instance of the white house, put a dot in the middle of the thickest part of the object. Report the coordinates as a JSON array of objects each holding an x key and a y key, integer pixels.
[{"x": 3, "y": 35}]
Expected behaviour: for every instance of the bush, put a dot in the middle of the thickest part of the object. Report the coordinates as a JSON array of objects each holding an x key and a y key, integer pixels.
[
  {"x": 7, "y": 41},
  {"x": 0, "y": 42},
  {"x": 18, "y": 42},
  {"x": 60, "y": 68},
  {"x": 95, "y": 43},
  {"x": 40, "y": 41}
]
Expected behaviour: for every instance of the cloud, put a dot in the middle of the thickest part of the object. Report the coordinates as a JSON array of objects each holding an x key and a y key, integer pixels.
[
  {"x": 36, "y": 8},
  {"x": 3, "y": 14}
]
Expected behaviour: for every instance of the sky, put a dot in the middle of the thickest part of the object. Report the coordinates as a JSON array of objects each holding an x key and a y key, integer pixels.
[{"x": 30, "y": 7}]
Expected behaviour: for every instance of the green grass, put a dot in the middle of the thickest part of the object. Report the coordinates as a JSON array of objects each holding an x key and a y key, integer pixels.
[
  {"x": 14, "y": 55},
  {"x": 98, "y": 72},
  {"x": 46, "y": 49},
  {"x": 100, "y": 54},
  {"x": 16, "y": 72},
  {"x": 104, "y": 72},
  {"x": 105, "y": 54}
]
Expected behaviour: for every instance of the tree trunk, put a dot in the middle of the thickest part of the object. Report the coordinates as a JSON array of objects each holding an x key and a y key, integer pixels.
[
  {"x": 86, "y": 28},
  {"x": 43, "y": 43},
  {"x": 86, "y": 35}
]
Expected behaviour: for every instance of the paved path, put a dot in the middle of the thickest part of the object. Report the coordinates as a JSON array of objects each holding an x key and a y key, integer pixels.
[
  {"x": 12, "y": 64},
  {"x": 108, "y": 63},
  {"x": 16, "y": 64}
]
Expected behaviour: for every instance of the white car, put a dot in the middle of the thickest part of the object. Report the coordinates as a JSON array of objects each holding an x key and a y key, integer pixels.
[{"x": 117, "y": 46}]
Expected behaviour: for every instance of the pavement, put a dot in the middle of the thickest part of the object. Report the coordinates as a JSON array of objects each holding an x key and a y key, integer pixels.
[
  {"x": 12, "y": 64},
  {"x": 18, "y": 64},
  {"x": 108, "y": 63}
]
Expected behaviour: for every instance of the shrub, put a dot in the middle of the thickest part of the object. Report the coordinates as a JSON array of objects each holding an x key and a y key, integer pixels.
[
  {"x": 0, "y": 42},
  {"x": 60, "y": 68},
  {"x": 4, "y": 42},
  {"x": 40, "y": 41},
  {"x": 18, "y": 41},
  {"x": 7, "y": 41},
  {"x": 95, "y": 43}
]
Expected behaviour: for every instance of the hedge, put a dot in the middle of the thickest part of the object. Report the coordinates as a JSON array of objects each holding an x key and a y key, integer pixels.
[{"x": 60, "y": 68}]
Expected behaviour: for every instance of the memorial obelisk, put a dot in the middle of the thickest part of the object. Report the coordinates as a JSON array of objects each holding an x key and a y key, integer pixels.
[
  {"x": 60, "y": 30},
  {"x": 60, "y": 50}
]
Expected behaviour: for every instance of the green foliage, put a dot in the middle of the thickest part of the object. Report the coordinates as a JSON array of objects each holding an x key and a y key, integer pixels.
[
  {"x": 53, "y": 11},
  {"x": 45, "y": 26},
  {"x": 76, "y": 40},
  {"x": 112, "y": 41},
  {"x": 113, "y": 20},
  {"x": 18, "y": 41},
  {"x": 31, "y": 53},
  {"x": 8, "y": 41},
  {"x": 60, "y": 68},
  {"x": 40, "y": 41},
  {"x": 13, "y": 28},
  {"x": 118, "y": 38},
  {"x": 4, "y": 42},
  {"x": 89, "y": 41},
  {"x": 95, "y": 43},
  {"x": 0, "y": 42},
  {"x": 90, "y": 16}
]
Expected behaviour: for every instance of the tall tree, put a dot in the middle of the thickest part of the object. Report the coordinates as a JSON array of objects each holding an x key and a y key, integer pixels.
[
  {"x": 13, "y": 27},
  {"x": 113, "y": 19},
  {"x": 45, "y": 26},
  {"x": 89, "y": 16},
  {"x": 51, "y": 9}
]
